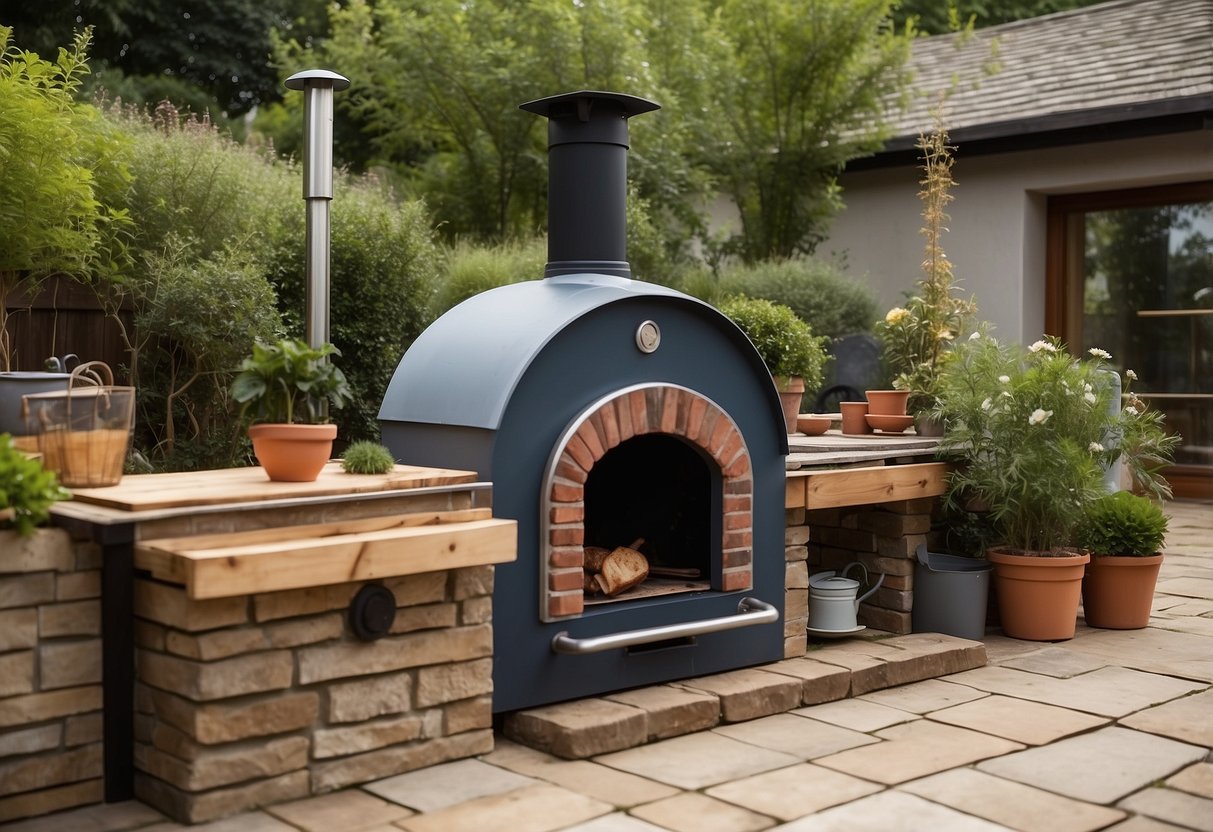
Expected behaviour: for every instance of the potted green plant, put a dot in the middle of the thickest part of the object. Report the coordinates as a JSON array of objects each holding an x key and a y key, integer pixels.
[
  {"x": 1124, "y": 533},
  {"x": 285, "y": 389},
  {"x": 792, "y": 353},
  {"x": 919, "y": 336},
  {"x": 1031, "y": 432},
  {"x": 27, "y": 491}
]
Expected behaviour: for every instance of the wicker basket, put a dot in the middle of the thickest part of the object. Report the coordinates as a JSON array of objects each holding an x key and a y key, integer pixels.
[{"x": 83, "y": 432}]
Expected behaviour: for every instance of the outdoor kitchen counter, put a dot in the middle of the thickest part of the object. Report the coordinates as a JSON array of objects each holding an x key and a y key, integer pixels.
[{"x": 832, "y": 470}]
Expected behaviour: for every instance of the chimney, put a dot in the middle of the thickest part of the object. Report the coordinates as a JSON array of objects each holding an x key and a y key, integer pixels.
[{"x": 588, "y": 180}]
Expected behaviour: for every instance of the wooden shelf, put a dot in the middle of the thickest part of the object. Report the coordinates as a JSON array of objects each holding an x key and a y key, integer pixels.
[
  {"x": 865, "y": 486},
  {"x": 297, "y": 557}
]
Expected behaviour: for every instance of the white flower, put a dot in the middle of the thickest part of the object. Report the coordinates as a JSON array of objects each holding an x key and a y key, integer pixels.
[
  {"x": 1130, "y": 375},
  {"x": 1087, "y": 388},
  {"x": 1095, "y": 448},
  {"x": 896, "y": 315},
  {"x": 1004, "y": 379},
  {"x": 1098, "y": 353},
  {"x": 1090, "y": 397},
  {"x": 1005, "y": 393},
  {"x": 976, "y": 336},
  {"x": 1039, "y": 417},
  {"x": 944, "y": 335},
  {"x": 1042, "y": 345},
  {"x": 987, "y": 404}
]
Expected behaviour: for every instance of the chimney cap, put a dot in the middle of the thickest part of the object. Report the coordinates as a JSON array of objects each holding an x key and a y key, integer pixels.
[
  {"x": 582, "y": 101},
  {"x": 299, "y": 80}
]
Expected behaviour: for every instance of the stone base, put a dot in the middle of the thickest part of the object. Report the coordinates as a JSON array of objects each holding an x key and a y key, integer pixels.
[{"x": 587, "y": 727}]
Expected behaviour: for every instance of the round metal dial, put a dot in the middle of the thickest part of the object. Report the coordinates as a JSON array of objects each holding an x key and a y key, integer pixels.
[{"x": 648, "y": 337}]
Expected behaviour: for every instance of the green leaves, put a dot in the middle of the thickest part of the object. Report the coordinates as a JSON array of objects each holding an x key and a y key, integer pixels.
[
  {"x": 27, "y": 490},
  {"x": 289, "y": 382},
  {"x": 785, "y": 342},
  {"x": 1123, "y": 524}
]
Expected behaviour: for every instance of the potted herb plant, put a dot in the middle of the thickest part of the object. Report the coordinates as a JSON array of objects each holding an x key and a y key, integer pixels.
[
  {"x": 1124, "y": 533},
  {"x": 792, "y": 353},
  {"x": 919, "y": 336},
  {"x": 27, "y": 491},
  {"x": 1031, "y": 432},
  {"x": 285, "y": 389}
]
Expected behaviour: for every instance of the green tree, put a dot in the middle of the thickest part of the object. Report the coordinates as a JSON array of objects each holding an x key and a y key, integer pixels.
[
  {"x": 804, "y": 94},
  {"x": 933, "y": 17}
]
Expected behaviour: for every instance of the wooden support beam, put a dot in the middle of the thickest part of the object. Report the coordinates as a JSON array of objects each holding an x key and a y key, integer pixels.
[{"x": 865, "y": 486}]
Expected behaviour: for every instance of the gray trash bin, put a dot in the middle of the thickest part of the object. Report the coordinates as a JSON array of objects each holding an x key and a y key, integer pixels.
[{"x": 950, "y": 594}]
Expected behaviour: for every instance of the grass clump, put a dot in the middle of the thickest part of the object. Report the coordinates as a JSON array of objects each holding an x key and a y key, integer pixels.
[{"x": 367, "y": 458}]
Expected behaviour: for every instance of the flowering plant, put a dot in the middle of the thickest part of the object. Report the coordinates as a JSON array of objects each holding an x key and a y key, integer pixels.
[
  {"x": 1032, "y": 431},
  {"x": 918, "y": 336}
]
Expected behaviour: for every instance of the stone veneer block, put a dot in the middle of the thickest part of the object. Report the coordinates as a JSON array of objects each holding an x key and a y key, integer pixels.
[
  {"x": 468, "y": 715},
  {"x": 30, "y": 773},
  {"x": 76, "y": 586},
  {"x": 47, "y": 550},
  {"x": 81, "y": 618},
  {"x": 49, "y": 800},
  {"x": 226, "y": 766},
  {"x": 37, "y": 707},
  {"x": 749, "y": 694},
  {"x": 17, "y": 673},
  {"x": 320, "y": 664},
  {"x": 452, "y": 682},
  {"x": 255, "y": 673},
  {"x": 220, "y": 723},
  {"x": 217, "y": 644},
  {"x": 30, "y": 740},
  {"x": 169, "y": 605},
  {"x": 27, "y": 590},
  {"x": 579, "y": 729},
  {"x": 366, "y": 736},
  {"x": 375, "y": 765},
  {"x": 18, "y": 629},
  {"x": 199, "y": 808},
  {"x": 672, "y": 711},
  {"x": 389, "y": 693}
]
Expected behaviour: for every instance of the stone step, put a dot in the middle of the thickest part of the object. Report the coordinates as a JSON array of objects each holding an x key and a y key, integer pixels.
[{"x": 613, "y": 722}]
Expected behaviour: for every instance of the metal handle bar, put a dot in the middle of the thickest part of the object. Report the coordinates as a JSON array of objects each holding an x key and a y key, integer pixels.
[{"x": 750, "y": 611}]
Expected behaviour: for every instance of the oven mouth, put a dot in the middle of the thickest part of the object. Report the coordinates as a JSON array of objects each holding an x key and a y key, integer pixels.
[{"x": 703, "y": 546}]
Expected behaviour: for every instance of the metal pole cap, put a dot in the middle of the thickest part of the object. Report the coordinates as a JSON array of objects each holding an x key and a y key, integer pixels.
[{"x": 300, "y": 80}]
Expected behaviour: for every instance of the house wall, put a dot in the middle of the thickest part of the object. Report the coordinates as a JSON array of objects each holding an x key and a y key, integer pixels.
[{"x": 996, "y": 236}]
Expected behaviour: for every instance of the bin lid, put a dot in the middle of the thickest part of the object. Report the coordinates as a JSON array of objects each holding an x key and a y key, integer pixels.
[{"x": 940, "y": 562}]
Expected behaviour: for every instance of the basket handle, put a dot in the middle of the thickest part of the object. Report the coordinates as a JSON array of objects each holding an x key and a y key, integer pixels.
[{"x": 96, "y": 373}]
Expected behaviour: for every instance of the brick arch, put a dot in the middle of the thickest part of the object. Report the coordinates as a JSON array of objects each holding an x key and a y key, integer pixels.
[{"x": 647, "y": 409}]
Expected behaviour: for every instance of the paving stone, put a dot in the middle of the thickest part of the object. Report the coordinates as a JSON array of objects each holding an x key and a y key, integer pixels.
[
  {"x": 104, "y": 817},
  {"x": 1187, "y": 587},
  {"x": 1010, "y": 803},
  {"x": 699, "y": 813},
  {"x": 1144, "y": 824},
  {"x": 822, "y": 682},
  {"x": 351, "y": 810},
  {"x": 1186, "y": 719},
  {"x": 615, "y": 822},
  {"x": 1032, "y": 723},
  {"x": 518, "y": 758},
  {"x": 921, "y": 697},
  {"x": 890, "y": 810},
  {"x": 441, "y": 786},
  {"x": 749, "y": 694},
  {"x": 917, "y": 749},
  {"x": 1055, "y": 661},
  {"x": 857, "y": 714},
  {"x": 579, "y": 729},
  {"x": 795, "y": 735},
  {"x": 536, "y": 808},
  {"x": 591, "y": 779},
  {"x": 672, "y": 710},
  {"x": 793, "y": 792},
  {"x": 1110, "y": 691},
  {"x": 900, "y": 660},
  {"x": 1171, "y": 806},
  {"x": 697, "y": 760},
  {"x": 1151, "y": 650},
  {"x": 247, "y": 822},
  {"x": 1101, "y": 767},
  {"x": 999, "y": 648},
  {"x": 1196, "y": 779}
]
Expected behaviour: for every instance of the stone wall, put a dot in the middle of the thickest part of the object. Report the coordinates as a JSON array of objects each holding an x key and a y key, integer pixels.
[
  {"x": 883, "y": 538},
  {"x": 50, "y": 674},
  {"x": 796, "y": 583},
  {"x": 250, "y": 700}
]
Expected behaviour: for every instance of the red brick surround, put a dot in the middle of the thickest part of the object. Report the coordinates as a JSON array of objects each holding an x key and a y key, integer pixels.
[{"x": 661, "y": 409}]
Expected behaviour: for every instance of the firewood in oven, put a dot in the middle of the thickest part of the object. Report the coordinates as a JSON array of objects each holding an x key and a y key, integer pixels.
[
  {"x": 594, "y": 556},
  {"x": 590, "y": 584},
  {"x": 623, "y": 569}
]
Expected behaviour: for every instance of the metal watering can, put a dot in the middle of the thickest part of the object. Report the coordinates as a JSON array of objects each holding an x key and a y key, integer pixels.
[{"x": 832, "y": 599}]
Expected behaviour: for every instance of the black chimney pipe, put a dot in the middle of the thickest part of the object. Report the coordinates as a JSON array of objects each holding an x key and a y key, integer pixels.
[{"x": 588, "y": 179}]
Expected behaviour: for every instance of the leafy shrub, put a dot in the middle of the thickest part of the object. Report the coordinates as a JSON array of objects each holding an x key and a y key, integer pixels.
[
  {"x": 1123, "y": 524},
  {"x": 384, "y": 266},
  {"x": 367, "y": 458},
  {"x": 818, "y": 292},
  {"x": 289, "y": 382},
  {"x": 786, "y": 343},
  {"x": 470, "y": 269},
  {"x": 27, "y": 490}
]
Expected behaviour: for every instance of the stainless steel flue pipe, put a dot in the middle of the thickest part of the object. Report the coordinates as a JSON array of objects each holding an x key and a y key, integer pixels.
[{"x": 318, "y": 86}]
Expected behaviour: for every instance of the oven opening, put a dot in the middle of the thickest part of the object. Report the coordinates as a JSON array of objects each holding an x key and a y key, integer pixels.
[{"x": 654, "y": 493}]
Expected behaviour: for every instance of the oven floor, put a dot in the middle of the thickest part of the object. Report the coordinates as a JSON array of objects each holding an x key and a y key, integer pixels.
[{"x": 830, "y": 671}]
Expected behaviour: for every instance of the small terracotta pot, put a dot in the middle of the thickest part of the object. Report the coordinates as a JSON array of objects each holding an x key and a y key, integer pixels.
[
  {"x": 1037, "y": 595},
  {"x": 1117, "y": 591},
  {"x": 887, "y": 402},
  {"x": 854, "y": 418},
  {"x": 791, "y": 393},
  {"x": 292, "y": 453}
]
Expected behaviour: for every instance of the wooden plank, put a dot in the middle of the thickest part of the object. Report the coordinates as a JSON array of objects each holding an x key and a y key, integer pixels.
[
  {"x": 145, "y": 492},
  {"x": 794, "y": 490},
  {"x": 295, "y": 563},
  {"x": 876, "y": 484}
]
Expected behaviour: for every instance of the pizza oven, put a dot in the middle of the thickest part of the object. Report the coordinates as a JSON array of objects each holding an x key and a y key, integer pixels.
[{"x": 609, "y": 414}]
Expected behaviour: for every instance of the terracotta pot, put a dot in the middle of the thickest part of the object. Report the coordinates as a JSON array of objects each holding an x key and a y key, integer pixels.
[
  {"x": 292, "y": 453},
  {"x": 1037, "y": 595},
  {"x": 1117, "y": 591},
  {"x": 854, "y": 418},
  {"x": 791, "y": 393},
  {"x": 887, "y": 402}
]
